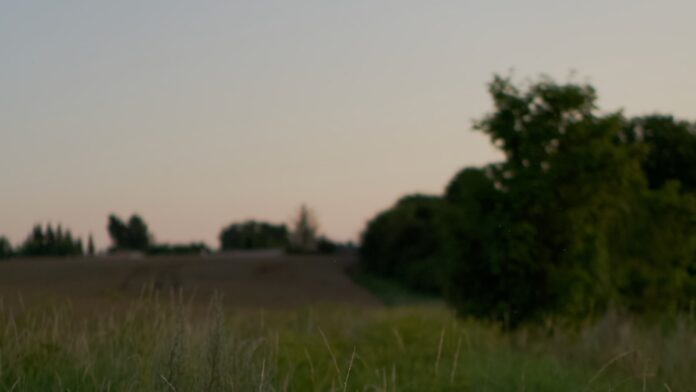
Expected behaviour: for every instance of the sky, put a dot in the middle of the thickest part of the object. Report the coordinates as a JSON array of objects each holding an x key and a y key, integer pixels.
[{"x": 201, "y": 113}]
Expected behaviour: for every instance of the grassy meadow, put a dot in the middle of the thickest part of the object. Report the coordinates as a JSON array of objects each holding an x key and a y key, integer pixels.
[{"x": 168, "y": 345}]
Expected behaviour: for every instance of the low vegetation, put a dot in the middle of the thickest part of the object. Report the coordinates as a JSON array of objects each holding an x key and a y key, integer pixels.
[{"x": 161, "y": 345}]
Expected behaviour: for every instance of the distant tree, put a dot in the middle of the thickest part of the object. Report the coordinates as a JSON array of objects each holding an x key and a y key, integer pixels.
[
  {"x": 132, "y": 236},
  {"x": 303, "y": 237},
  {"x": 253, "y": 235},
  {"x": 5, "y": 248},
  {"x": 90, "y": 246},
  {"x": 138, "y": 234},
  {"x": 48, "y": 242},
  {"x": 80, "y": 246},
  {"x": 118, "y": 231},
  {"x": 36, "y": 242},
  {"x": 51, "y": 236}
]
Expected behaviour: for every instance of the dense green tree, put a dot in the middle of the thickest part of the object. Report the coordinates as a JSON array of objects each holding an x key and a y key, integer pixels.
[
  {"x": 563, "y": 184},
  {"x": 411, "y": 242},
  {"x": 655, "y": 246},
  {"x": 671, "y": 149},
  {"x": 587, "y": 210},
  {"x": 472, "y": 189},
  {"x": 473, "y": 195}
]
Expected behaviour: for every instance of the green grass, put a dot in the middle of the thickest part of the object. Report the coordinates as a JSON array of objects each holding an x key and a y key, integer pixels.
[
  {"x": 392, "y": 292},
  {"x": 157, "y": 347}
]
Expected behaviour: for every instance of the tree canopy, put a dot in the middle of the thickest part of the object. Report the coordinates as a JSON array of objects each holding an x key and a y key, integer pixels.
[
  {"x": 671, "y": 146},
  {"x": 50, "y": 242},
  {"x": 587, "y": 210},
  {"x": 131, "y": 236},
  {"x": 253, "y": 235}
]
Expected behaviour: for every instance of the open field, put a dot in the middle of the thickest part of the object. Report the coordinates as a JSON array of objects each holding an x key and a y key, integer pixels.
[
  {"x": 295, "y": 323},
  {"x": 254, "y": 280}
]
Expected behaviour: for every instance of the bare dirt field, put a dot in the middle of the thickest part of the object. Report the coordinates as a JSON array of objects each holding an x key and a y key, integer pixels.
[{"x": 243, "y": 281}]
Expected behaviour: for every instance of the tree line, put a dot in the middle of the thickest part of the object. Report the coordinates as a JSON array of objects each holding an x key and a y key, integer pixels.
[
  {"x": 588, "y": 210},
  {"x": 133, "y": 235},
  {"x": 303, "y": 237},
  {"x": 47, "y": 241}
]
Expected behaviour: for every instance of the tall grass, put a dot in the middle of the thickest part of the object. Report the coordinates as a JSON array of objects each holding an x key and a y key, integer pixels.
[{"x": 171, "y": 346}]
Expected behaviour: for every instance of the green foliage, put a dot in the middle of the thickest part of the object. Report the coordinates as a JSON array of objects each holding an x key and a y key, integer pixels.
[
  {"x": 131, "y": 236},
  {"x": 138, "y": 235},
  {"x": 672, "y": 149},
  {"x": 253, "y": 235},
  {"x": 587, "y": 210},
  {"x": 5, "y": 248},
  {"x": 118, "y": 231},
  {"x": 412, "y": 242},
  {"x": 473, "y": 191},
  {"x": 656, "y": 245},
  {"x": 563, "y": 183},
  {"x": 50, "y": 242}
]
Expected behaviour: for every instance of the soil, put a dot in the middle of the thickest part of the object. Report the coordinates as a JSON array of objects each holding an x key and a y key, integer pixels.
[{"x": 241, "y": 280}]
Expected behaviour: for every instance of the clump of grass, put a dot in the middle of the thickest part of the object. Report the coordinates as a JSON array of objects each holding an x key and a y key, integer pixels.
[{"x": 165, "y": 346}]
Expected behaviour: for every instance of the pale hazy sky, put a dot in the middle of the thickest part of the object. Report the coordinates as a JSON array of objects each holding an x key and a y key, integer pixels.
[{"x": 196, "y": 114}]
